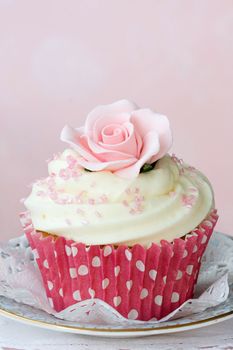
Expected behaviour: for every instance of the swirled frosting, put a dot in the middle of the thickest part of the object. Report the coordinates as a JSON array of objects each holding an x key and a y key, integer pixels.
[{"x": 103, "y": 208}]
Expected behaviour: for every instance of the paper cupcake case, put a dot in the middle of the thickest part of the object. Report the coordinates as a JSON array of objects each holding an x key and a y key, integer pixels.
[{"x": 139, "y": 283}]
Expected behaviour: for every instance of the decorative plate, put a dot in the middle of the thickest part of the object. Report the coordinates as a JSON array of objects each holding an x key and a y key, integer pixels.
[{"x": 224, "y": 311}]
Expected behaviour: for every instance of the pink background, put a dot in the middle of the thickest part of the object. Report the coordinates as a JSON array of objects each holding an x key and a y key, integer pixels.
[{"x": 59, "y": 59}]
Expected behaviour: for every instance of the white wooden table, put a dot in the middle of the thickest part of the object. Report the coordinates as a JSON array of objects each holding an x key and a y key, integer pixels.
[{"x": 17, "y": 336}]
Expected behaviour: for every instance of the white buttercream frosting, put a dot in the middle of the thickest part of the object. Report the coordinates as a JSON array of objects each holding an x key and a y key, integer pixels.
[{"x": 103, "y": 208}]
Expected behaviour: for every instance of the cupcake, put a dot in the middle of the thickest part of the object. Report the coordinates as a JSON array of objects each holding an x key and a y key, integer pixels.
[{"x": 118, "y": 218}]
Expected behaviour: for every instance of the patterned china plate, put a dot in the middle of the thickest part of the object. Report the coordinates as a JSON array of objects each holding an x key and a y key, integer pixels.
[{"x": 38, "y": 318}]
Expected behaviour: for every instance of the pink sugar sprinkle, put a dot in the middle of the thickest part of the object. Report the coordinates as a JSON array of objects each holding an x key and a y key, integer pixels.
[
  {"x": 138, "y": 199},
  {"x": 139, "y": 209},
  {"x": 128, "y": 191},
  {"x": 91, "y": 201},
  {"x": 50, "y": 181},
  {"x": 71, "y": 161},
  {"x": 136, "y": 190},
  {"x": 103, "y": 198},
  {"x": 65, "y": 174},
  {"x": 132, "y": 211},
  {"x": 56, "y": 156},
  {"x": 76, "y": 174},
  {"x": 191, "y": 168},
  {"x": 176, "y": 159},
  {"x": 125, "y": 203},
  {"x": 59, "y": 201},
  {"x": 53, "y": 195},
  {"x": 181, "y": 171},
  {"x": 78, "y": 200},
  {"x": 188, "y": 200}
]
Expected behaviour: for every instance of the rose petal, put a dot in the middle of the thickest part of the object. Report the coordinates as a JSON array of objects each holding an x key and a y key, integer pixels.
[
  {"x": 96, "y": 131},
  {"x": 111, "y": 110},
  {"x": 138, "y": 142},
  {"x": 111, "y": 166},
  {"x": 127, "y": 148},
  {"x": 113, "y": 134},
  {"x": 146, "y": 120},
  {"x": 104, "y": 154},
  {"x": 150, "y": 147},
  {"x": 90, "y": 151},
  {"x": 74, "y": 138},
  {"x": 129, "y": 145}
]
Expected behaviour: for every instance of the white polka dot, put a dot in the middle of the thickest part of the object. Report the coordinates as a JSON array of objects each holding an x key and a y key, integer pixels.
[
  {"x": 76, "y": 295},
  {"x": 91, "y": 292},
  {"x": 74, "y": 251},
  {"x": 68, "y": 250},
  {"x": 55, "y": 253},
  {"x": 61, "y": 292},
  {"x": 128, "y": 255},
  {"x": 185, "y": 253},
  {"x": 158, "y": 300},
  {"x": 35, "y": 254},
  {"x": 189, "y": 269},
  {"x": 144, "y": 293},
  {"x": 153, "y": 274},
  {"x": 164, "y": 279},
  {"x": 95, "y": 261},
  {"x": 117, "y": 301},
  {"x": 82, "y": 270},
  {"x": 107, "y": 250},
  {"x": 195, "y": 249},
  {"x": 175, "y": 297},
  {"x": 204, "y": 239},
  {"x": 51, "y": 302},
  {"x": 133, "y": 314},
  {"x": 179, "y": 275},
  {"x": 140, "y": 265},
  {"x": 129, "y": 284},
  {"x": 50, "y": 285},
  {"x": 207, "y": 223},
  {"x": 73, "y": 272},
  {"x": 46, "y": 264},
  {"x": 117, "y": 270},
  {"x": 105, "y": 283}
]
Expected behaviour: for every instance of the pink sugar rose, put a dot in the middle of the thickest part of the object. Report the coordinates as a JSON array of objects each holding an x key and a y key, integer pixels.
[{"x": 120, "y": 138}]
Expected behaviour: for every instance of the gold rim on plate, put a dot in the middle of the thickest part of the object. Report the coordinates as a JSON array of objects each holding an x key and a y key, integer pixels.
[{"x": 38, "y": 323}]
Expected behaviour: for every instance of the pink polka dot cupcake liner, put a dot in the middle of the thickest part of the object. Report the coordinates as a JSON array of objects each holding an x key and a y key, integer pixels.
[{"x": 140, "y": 283}]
